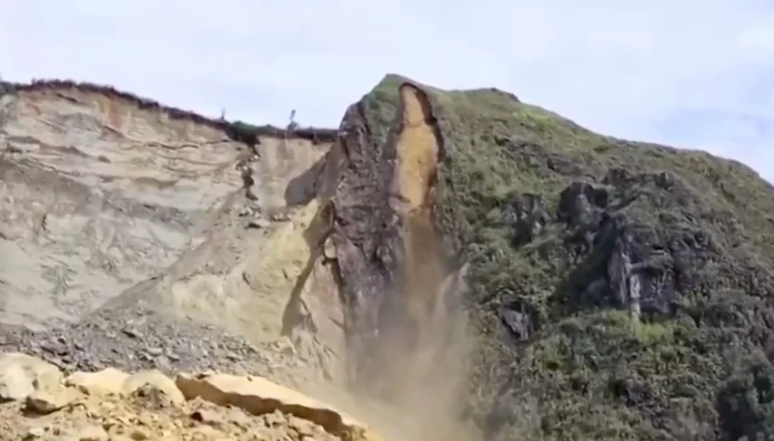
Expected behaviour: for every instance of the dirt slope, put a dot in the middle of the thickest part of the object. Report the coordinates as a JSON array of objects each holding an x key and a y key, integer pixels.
[{"x": 114, "y": 202}]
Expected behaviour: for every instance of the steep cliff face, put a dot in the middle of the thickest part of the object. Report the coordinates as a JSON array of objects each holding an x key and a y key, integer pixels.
[
  {"x": 98, "y": 195},
  {"x": 461, "y": 255},
  {"x": 406, "y": 331},
  {"x": 112, "y": 203},
  {"x": 102, "y": 191}
]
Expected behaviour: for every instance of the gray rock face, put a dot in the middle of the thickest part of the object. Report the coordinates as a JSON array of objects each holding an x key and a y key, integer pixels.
[
  {"x": 406, "y": 330},
  {"x": 97, "y": 195},
  {"x": 128, "y": 238}
]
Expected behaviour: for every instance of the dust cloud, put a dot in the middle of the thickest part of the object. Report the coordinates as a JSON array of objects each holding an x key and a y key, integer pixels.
[{"x": 419, "y": 366}]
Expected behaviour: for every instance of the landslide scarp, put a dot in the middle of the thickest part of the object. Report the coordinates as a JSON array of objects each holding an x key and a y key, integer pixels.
[
  {"x": 406, "y": 336},
  {"x": 126, "y": 223}
]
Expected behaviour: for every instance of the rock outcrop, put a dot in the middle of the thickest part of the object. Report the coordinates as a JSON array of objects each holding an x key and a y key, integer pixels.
[
  {"x": 462, "y": 257},
  {"x": 148, "y": 405}
]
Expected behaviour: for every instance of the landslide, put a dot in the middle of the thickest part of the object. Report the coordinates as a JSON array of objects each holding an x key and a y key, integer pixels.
[
  {"x": 620, "y": 290},
  {"x": 139, "y": 236},
  {"x": 617, "y": 290}
]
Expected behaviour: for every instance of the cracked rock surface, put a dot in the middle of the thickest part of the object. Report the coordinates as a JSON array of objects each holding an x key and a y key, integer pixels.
[{"x": 39, "y": 402}]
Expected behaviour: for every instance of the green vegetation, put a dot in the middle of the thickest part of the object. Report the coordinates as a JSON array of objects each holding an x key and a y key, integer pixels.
[{"x": 697, "y": 229}]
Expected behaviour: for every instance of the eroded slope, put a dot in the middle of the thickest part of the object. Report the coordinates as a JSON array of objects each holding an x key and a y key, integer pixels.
[
  {"x": 118, "y": 205},
  {"x": 97, "y": 196}
]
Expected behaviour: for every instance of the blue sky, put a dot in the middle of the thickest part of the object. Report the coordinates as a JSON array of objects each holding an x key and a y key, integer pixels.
[{"x": 689, "y": 73}]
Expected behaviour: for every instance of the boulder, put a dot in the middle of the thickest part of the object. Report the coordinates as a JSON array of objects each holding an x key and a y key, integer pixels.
[
  {"x": 50, "y": 400},
  {"x": 260, "y": 396},
  {"x": 155, "y": 380},
  {"x": 106, "y": 381},
  {"x": 22, "y": 374}
]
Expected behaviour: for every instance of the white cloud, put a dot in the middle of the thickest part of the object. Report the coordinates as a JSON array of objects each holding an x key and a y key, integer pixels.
[{"x": 692, "y": 73}]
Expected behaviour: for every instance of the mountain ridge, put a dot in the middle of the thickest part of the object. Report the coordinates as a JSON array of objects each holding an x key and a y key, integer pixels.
[
  {"x": 598, "y": 287},
  {"x": 228, "y": 127}
]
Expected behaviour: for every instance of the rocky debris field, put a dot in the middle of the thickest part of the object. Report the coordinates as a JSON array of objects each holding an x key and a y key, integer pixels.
[
  {"x": 40, "y": 402},
  {"x": 138, "y": 338}
]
